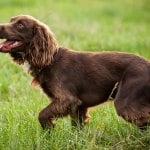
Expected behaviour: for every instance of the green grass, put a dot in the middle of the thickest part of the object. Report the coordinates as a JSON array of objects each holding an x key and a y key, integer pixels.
[{"x": 95, "y": 25}]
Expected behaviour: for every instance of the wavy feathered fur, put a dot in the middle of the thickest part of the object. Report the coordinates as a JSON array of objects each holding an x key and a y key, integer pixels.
[{"x": 43, "y": 47}]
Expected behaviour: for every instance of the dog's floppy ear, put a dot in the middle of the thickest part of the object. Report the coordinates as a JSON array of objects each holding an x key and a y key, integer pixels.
[{"x": 42, "y": 48}]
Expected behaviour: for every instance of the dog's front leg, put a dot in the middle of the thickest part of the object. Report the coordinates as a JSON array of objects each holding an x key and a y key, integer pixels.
[
  {"x": 57, "y": 109},
  {"x": 80, "y": 117}
]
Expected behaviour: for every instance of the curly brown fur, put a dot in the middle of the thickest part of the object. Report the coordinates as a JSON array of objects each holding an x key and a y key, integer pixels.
[{"x": 75, "y": 81}]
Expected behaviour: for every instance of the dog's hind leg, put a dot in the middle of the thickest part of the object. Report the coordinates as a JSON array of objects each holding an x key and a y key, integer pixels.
[
  {"x": 132, "y": 102},
  {"x": 133, "y": 114}
]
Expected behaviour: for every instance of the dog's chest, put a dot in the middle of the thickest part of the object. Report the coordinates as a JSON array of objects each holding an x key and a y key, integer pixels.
[{"x": 47, "y": 90}]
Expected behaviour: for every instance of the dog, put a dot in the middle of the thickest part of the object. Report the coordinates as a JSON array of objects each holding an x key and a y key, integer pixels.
[{"x": 75, "y": 81}]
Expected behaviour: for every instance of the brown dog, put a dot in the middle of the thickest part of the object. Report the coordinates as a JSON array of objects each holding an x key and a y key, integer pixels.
[{"x": 75, "y": 81}]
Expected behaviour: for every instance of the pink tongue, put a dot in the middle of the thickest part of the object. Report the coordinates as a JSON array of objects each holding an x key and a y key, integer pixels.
[{"x": 6, "y": 45}]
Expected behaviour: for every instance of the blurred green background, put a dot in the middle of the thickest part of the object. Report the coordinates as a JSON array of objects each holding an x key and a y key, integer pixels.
[
  {"x": 90, "y": 25},
  {"x": 83, "y": 25}
]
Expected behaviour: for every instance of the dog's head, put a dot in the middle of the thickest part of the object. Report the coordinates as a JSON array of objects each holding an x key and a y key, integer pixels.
[{"x": 26, "y": 38}]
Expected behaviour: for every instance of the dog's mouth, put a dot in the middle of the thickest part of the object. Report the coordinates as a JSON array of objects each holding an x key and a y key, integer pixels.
[{"x": 8, "y": 45}]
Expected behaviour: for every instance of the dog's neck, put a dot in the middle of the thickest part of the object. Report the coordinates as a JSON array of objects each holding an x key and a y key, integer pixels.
[{"x": 35, "y": 71}]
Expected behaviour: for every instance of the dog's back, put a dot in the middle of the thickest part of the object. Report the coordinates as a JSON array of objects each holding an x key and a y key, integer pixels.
[{"x": 92, "y": 76}]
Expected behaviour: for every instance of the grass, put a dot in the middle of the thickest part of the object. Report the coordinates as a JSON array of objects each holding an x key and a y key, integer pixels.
[{"x": 96, "y": 25}]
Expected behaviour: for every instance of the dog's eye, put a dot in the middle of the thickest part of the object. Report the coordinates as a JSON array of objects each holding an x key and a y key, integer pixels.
[{"x": 20, "y": 26}]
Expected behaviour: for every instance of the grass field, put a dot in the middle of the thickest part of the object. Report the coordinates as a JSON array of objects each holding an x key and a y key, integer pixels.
[{"x": 87, "y": 25}]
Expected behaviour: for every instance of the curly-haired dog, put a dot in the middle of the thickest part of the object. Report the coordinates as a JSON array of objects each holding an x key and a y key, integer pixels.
[{"x": 75, "y": 81}]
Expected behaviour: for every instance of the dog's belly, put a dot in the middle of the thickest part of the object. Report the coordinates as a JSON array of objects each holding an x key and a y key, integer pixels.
[{"x": 92, "y": 99}]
